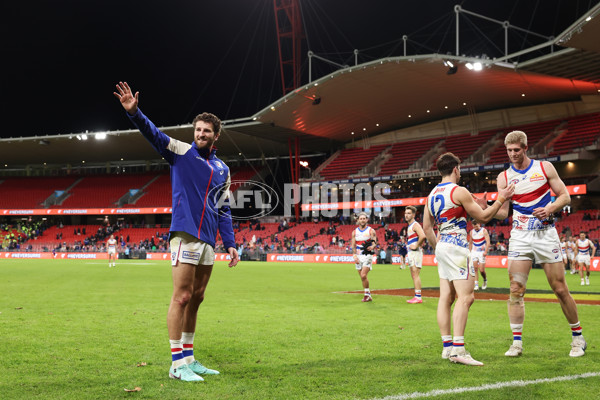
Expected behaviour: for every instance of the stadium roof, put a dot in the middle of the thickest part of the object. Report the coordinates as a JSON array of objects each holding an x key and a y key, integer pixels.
[{"x": 367, "y": 99}]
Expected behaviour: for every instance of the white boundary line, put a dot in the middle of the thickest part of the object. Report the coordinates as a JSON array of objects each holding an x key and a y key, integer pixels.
[{"x": 499, "y": 385}]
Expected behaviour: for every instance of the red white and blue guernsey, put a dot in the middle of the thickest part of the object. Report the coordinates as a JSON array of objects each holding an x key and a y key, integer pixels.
[
  {"x": 198, "y": 178},
  {"x": 583, "y": 246},
  {"x": 412, "y": 237},
  {"x": 360, "y": 236},
  {"x": 450, "y": 217},
  {"x": 532, "y": 191},
  {"x": 478, "y": 239}
]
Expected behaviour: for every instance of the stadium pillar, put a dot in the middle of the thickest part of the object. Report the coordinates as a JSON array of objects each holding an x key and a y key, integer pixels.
[
  {"x": 289, "y": 28},
  {"x": 294, "y": 152}
]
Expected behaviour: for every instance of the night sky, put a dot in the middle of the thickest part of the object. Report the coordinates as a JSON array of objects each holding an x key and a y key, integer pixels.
[{"x": 62, "y": 58}]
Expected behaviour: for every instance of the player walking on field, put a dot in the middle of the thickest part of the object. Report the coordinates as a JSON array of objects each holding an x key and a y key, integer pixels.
[
  {"x": 198, "y": 179},
  {"x": 534, "y": 238},
  {"x": 414, "y": 256},
  {"x": 585, "y": 251},
  {"x": 447, "y": 208},
  {"x": 111, "y": 245},
  {"x": 571, "y": 254},
  {"x": 479, "y": 244},
  {"x": 364, "y": 240}
]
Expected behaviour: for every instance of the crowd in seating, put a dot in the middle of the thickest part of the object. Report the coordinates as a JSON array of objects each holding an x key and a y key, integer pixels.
[
  {"x": 319, "y": 236},
  {"x": 14, "y": 236}
]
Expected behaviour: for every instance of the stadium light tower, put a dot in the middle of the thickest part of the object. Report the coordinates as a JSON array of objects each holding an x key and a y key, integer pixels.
[{"x": 289, "y": 41}]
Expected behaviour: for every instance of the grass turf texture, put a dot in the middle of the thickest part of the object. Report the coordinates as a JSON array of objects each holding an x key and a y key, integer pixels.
[{"x": 77, "y": 329}]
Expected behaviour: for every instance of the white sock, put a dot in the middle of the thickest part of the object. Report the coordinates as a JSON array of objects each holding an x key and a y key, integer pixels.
[
  {"x": 517, "y": 330},
  {"x": 177, "y": 353},
  {"x": 187, "y": 339}
]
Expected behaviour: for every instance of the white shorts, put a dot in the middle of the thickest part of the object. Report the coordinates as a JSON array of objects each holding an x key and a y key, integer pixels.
[
  {"x": 364, "y": 260},
  {"x": 541, "y": 247},
  {"x": 583, "y": 259},
  {"x": 188, "y": 249},
  {"x": 453, "y": 262},
  {"x": 112, "y": 251},
  {"x": 414, "y": 258},
  {"x": 571, "y": 255},
  {"x": 478, "y": 256}
]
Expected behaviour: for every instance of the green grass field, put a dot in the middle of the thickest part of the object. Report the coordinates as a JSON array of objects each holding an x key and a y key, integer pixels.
[{"x": 78, "y": 330}]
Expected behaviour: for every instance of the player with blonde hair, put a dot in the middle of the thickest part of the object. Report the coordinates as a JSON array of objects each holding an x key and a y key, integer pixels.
[{"x": 534, "y": 238}]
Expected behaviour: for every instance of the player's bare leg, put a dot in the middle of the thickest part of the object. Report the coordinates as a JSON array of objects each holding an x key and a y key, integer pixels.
[
  {"x": 444, "y": 315},
  {"x": 557, "y": 282},
  {"x": 518, "y": 273},
  {"x": 476, "y": 267},
  {"x": 483, "y": 275},
  {"x": 364, "y": 272},
  {"x": 183, "y": 285},
  {"x": 415, "y": 274},
  {"x": 465, "y": 298},
  {"x": 201, "y": 278}
]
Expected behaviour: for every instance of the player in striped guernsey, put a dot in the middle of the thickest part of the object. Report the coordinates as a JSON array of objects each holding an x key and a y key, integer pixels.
[
  {"x": 534, "y": 238},
  {"x": 479, "y": 243},
  {"x": 364, "y": 241},
  {"x": 563, "y": 251},
  {"x": 585, "y": 251},
  {"x": 447, "y": 207},
  {"x": 571, "y": 254},
  {"x": 111, "y": 244},
  {"x": 414, "y": 257}
]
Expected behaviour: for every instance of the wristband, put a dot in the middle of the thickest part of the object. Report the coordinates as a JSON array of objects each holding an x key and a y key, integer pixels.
[{"x": 501, "y": 199}]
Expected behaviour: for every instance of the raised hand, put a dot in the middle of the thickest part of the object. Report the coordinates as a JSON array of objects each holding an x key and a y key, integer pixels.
[
  {"x": 481, "y": 201},
  {"x": 126, "y": 97},
  {"x": 507, "y": 192}
]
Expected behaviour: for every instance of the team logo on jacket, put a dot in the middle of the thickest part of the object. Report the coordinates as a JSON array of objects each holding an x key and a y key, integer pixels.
[
  {"x": 536, "y": 177},
  {"x": 218, "y": 163}
]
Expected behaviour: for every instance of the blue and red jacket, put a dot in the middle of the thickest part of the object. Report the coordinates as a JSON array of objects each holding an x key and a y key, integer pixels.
[{"x": 199, "y": 182}]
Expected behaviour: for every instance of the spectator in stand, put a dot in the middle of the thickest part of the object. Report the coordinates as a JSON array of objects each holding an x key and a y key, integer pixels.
[{"x": 382, "y": 256}]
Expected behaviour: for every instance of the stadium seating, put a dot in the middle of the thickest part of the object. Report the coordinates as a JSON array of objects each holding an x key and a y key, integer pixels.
[
  {"x": 239, "y": 176},
  {"x": 49, "y": 240},
  {"x": 535, "y": 132},
  {"x": 103, "y": 190},
  {"x": 465, "y": 145},
  {"x": 157, "y": 194},
  {"x": 404, "y": 154},
  {"x": 30, "y": 192},
  {"x": 581, "y": 131},
  {"x": 350, "y": 161},
  {"x": 137, "y": 235}
]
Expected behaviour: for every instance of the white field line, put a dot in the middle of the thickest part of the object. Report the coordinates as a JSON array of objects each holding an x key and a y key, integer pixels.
[
  {"x": 123, "y": 263},
  {"x": 492, "y": 386}
]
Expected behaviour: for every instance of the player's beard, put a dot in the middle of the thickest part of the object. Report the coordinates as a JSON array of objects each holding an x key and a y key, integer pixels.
[{"x": 204, "y": 142}]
